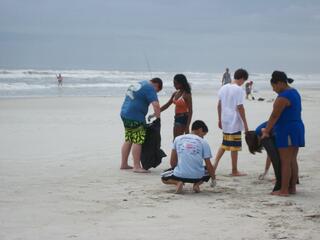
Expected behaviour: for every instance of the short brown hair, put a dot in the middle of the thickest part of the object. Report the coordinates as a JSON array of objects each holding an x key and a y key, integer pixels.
[
  {"x": 157, "y": 81},
  {"x": 241, "y": 73}
]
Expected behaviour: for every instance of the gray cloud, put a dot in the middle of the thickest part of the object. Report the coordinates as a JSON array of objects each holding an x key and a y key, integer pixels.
[{"x": 180, "y": 35}]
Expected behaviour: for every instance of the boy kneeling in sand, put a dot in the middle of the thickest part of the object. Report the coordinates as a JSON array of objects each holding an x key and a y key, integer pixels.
[{"x": 187, "y": 156}]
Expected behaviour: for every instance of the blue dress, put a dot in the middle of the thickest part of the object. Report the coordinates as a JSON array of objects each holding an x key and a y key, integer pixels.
[{"x": 289, "y": 129}]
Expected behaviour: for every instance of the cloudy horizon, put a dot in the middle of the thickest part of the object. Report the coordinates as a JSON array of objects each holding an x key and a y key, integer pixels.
[{"x": 166, "y": 35}]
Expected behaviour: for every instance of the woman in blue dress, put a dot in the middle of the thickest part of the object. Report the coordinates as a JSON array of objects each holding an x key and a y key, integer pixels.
[{"x": 287, "y": 125}]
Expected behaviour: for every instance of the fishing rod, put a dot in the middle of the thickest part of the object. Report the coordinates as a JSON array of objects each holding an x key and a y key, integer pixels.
[{"x": 148, "y": 64}]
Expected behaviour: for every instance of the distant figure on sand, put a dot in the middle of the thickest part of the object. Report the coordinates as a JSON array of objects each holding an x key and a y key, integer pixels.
[
  {"x": 183, "y": 100},
  {"x": 248, "y": 87},
  {"x": 286, "y": 122},
  {"x": 232, "y": 119},
  {"x": 60, "y": 79},
  {"x": 187, "y": 156},
  {"x": 133, "y": 111},
  {"x": 226, "y": 78}
]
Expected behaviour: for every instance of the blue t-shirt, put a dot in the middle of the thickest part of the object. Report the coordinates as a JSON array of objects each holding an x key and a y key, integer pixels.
[
  {"x": 136, "y": 104},
  {"x": 259, "y": 128},
  {"x": 191, "y": 150}
]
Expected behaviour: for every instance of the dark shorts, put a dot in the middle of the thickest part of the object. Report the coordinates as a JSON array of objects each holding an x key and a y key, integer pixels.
[
  {"x": 168, "y": 174},
  {"x": 135, "y": 131},
  {"x": 181, "y": 119},
  {"x": 232, "y": 141}
]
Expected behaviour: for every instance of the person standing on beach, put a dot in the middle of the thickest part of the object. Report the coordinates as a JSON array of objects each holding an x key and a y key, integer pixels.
[
  {"x": 226, "y": 78},
  {"x": 232, "y": 119},
  {"x": 286, "y": 122},
  {"x": 248, "y": 87},
  {"x": 187, "y": 156},
  {"x": 60, "y": 79},
  {"x": 133, "y": 112},
  {"x": 183, "y": 100}
]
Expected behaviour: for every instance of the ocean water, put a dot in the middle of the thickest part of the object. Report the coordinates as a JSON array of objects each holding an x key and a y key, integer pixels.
[{"x": 43, "y": 83}]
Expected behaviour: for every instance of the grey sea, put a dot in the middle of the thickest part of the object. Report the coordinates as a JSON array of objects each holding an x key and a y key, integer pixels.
[{"x": 43, "y": 83}]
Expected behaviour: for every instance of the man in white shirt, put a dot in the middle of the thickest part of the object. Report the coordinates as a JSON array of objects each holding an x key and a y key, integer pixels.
[
  {"x": 187, "y": 156},
  {"x": 232, "y": 119}
]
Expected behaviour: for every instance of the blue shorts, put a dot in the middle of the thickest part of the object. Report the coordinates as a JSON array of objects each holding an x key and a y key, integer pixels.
[
  {"x": 181, "y": 119},
  {"x": 291, "y": 134}
]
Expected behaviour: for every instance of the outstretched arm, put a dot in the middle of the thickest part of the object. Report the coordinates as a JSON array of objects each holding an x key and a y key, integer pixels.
[
  {"x": 243, "y": 117},
  {"x": 219, "y": 114},
  {"x": 165, "y": 106},
  {"x": 209, "y": 167},
  {"x": 156, "y": 109},
  {"x": 174, "y": 158}
]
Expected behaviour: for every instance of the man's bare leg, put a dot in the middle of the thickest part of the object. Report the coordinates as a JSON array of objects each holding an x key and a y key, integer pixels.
[
  {"x": 125, "y": 151},
  {"x": 234, "y": 161},
  {"x": 218, "y": 157},
  {"x": 179, "y": 184},
  {"x": 136, "y": 153}
]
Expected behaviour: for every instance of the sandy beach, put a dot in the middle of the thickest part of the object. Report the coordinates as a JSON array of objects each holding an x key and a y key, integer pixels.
[{"x": 60, "y": 178}]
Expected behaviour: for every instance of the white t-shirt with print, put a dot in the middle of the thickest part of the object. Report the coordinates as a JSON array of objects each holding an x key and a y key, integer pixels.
[
  {"x": 191, "y": 150},
  {"x": 231, "y": 96}
]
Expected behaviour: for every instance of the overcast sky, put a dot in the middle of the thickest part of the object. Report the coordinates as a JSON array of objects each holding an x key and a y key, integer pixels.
[{"x": 172, "y": 35}]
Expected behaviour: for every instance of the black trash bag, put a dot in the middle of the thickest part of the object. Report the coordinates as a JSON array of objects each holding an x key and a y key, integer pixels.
[{"x": 151, "y": 153}]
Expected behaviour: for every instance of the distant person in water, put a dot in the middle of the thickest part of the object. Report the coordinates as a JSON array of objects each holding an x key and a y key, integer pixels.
[
  {"x": 133, "y": 111},
  {"x": 183, "y": 100},
  {"x": 286, "y": 122},
  {"x": 226, "y": 78},
  {"x": 60, "y": 79},
  {"x": 249, "y": 86}
]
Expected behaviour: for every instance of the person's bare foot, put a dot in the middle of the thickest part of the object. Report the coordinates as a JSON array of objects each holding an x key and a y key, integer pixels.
[
  {"x": 238, "y": 174},
  {"x": 125, "y": 167},
  {"x": 179, "y": 188},
  {"x": 280, "y": 194},
  {"x": 292, "y": 190},
  {"x": 196, "y": 188},
  {"x": 140, "y": 170}
]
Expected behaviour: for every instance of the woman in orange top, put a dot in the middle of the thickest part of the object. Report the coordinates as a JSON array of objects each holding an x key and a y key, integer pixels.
[{"x": 183, "y": 100}]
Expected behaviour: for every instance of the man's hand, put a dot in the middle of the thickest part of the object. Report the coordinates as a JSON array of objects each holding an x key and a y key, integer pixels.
[{"x": 150, "y": 117}]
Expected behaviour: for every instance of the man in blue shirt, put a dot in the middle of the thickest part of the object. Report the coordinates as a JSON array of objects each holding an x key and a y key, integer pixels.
[
  {"x": 133, "y": 112},
  {"x": 187, "y": 156}
]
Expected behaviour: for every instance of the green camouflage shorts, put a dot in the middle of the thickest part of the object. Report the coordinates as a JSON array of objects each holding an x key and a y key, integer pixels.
[{"x": 135, "y": 131}]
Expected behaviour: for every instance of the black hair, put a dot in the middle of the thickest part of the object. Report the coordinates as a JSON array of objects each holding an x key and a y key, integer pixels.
[
  {"x": 253, "y": 142},
  {"x": 278, "y": 76},
  {"x": 241, "y": 73},
  {"x": 181, "y": 79},
  {"x": 199, "y": 124},
  {"x": 157, "y": 81}
]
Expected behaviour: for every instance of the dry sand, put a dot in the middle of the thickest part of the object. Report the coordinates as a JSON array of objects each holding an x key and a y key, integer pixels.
[{"x": 60, "y": 178}]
